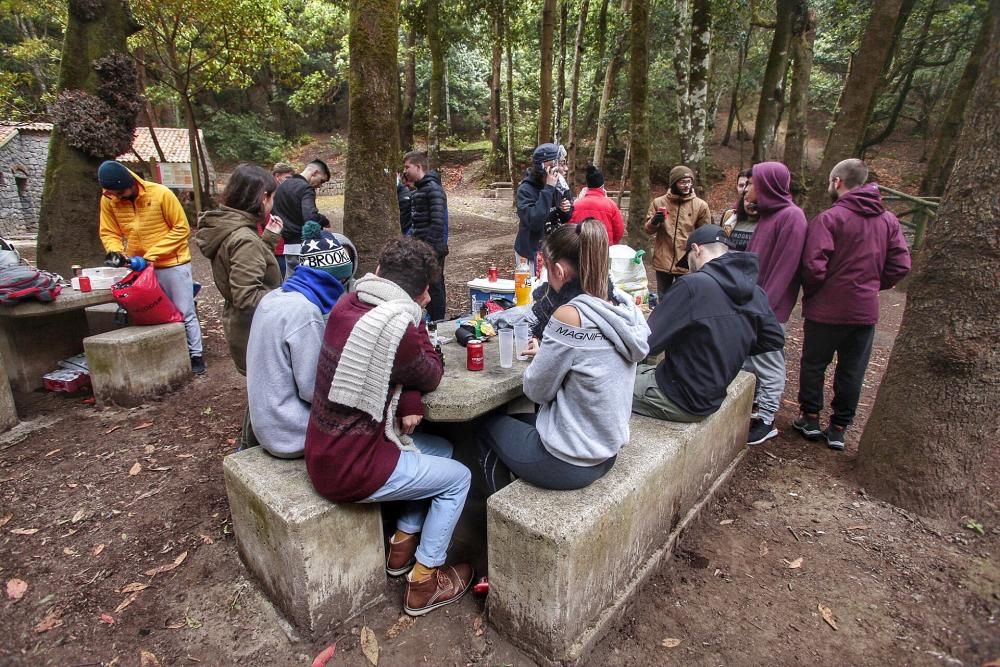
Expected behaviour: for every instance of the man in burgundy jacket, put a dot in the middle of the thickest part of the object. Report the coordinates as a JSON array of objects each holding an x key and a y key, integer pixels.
[
  {"x": 361, "y": 447},
  {"x": 777, "y": 241},
  {"x": 853, "y": 250}
]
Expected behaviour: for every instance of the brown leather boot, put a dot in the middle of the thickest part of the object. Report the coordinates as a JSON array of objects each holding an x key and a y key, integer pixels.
[
  {"x": 447, "y": 584},
  {"x": 402, "y": 556}
]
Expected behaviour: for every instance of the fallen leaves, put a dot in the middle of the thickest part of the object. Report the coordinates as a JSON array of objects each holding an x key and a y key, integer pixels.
[
  {"x": 762, "y": 549},
  {"x": 24, "y": 531},
  {"x": 793, "y": 564},
  {"x": 324, "y": 656},
  {"x": 670, "y": 642},
  {"x": 135, "y": 469},
  {"x": 827, "y": 615},
  {"x": 96, "y": 551},
  {"x": 78, "y": 517},
  {"x": 5, "y": 518},
  {"x": 16, "y": 588},
  {"x": 51, "y": 620},
  {"x": 134, "y": 587},
  {"x": 112, "y": 429},
  {"x": 142, "y": 426},
  {"x": 148, "y": 659},
  {"x": 477, "y": 626},
  {"x": 53, "y": 452},
  {"x": 127, "y": 601},
  {"x": 166, "y": 568},
  {"x": 369, "y": 645},
  {"x": 108, "y": 619},
  {"x": 726, "y": 522},
  {"x": 403, "y": 623}
]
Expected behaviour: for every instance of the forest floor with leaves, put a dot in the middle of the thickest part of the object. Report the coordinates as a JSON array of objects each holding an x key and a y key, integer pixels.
[{"x": 116, "y": 546}]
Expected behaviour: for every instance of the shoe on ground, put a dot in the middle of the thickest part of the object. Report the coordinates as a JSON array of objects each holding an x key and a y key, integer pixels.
[
  {"x": 808, "y": 426},
  {"x": 760, "y": 431},
  {"x": 835, "y": 437},
  {"x": 402, "y": 556},
  {"x": 198, "y": 366},
  {"x": 447, "y": 584}
]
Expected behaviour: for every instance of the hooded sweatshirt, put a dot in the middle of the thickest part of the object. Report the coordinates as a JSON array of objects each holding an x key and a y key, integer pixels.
[
  {"x": 537, "y": 205},
  {"x": 582, "y": 378},
  {"x": 853, "y": 249},
  {"x": 244, "y": 269},
  {"x": 778, "y": 238},
  {"x": 708, "y": 323}
]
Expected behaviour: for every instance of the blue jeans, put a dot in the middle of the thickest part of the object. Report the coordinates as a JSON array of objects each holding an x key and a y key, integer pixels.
[
  {"x": 178, "y": 285},
  {"x": 430, "y": 474}
]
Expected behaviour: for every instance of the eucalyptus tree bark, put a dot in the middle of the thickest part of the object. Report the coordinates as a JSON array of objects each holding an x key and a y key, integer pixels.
[
  {"x": 771, "y": 92},
  {"x": 561, "y": 72},
  {"x": 599, "y": 67},
  {"x": 639, "y": 122},
  {"x": 68, "y": 217},
  {"x": 371, "y": 212},
  {"x": 859, "y": 96},
  {"x": 545, "y": 73},
  {"x": 935, "y": 450},
  {"x": 435, "y": 105},
  {"x": 409, "y": 91},
  {"x": 942, "y": 158},
  {"x": 682, "y": 70},
  {"x": 734, "y": 100},
  {"x": 574, "y": 86},
  {"x": 803, "y": 37}
]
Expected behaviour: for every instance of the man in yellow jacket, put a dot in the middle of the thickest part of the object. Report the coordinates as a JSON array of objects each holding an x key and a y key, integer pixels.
[{"x": 144, "y": 219}]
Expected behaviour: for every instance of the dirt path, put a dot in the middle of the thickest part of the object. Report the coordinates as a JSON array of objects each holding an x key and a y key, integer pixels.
[{"x": 92, "y": 500}]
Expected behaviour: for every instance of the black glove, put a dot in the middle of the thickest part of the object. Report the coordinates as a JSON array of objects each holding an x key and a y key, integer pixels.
[
  {"x": 658, "y": 219},
  {"x": 115, "y": 260}
]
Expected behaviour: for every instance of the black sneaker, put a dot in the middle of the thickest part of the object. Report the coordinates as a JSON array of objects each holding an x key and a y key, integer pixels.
[
  {"x": 760, "y": 431},
  {"x": 198, "y": 366},
  {"x": 808, "y": 426},
  {"x": 835, "y": 437}
]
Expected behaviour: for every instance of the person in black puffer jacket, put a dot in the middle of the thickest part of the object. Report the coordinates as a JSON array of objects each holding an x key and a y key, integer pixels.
[
  {"x": 295, "y": 204},
  {"x": 428, "y": 220}
]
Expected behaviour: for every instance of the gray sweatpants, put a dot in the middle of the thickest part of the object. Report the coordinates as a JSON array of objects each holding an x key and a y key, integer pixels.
[
  {"x": 178, "y": 284},
  {"x": 769, "y": 368}
]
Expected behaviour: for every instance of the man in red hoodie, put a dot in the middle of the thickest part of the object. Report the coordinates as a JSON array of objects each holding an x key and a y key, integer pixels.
[
  {"x": 595, "y": 203},
  {"x": 376, "y": 362},
  {"x": 777, "y": 241},
  {"x": 853, "y": 250}
]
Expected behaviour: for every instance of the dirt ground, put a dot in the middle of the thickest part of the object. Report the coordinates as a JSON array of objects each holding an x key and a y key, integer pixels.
[{"x": 117, "y": 521}]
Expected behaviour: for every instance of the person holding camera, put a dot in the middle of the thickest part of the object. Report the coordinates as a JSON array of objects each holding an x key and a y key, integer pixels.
[
  {"x": 543, "y": 203},
  {"x": 671, "y": 219}
]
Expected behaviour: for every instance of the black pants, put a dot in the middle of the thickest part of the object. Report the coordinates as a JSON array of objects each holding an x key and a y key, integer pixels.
[
  {"x": 439, "y": 302},
  {"x": 663, "y": 281},
  {"x": 853, "y": 345}
]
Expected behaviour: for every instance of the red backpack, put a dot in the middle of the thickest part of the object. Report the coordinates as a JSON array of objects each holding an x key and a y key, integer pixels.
[{"x": 24, "y": 283}]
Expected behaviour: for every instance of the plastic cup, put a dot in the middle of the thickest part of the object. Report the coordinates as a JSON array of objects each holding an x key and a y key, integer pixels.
[
  {"x": 506, "y": 348},
  {"x": 521, "y": 333}
]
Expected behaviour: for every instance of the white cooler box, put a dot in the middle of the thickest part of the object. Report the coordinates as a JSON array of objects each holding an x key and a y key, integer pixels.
[{"x": 101, "y": 277}]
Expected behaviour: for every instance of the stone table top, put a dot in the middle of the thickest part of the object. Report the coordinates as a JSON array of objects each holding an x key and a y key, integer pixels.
[
  {"x": 464, "y": 395},
  {"x": 69, "y": 299}
]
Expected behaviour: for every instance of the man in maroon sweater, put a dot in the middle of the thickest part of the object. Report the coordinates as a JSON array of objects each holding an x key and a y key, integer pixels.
[
  {"x": 853, "y": 250},
  {"x": 361, "y": 446}
]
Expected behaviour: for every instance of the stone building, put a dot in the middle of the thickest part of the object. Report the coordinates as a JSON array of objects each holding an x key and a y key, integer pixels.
[{"x": 24, "y": 150}]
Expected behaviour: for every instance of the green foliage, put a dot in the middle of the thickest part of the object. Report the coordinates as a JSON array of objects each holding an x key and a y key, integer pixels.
[
  {"x": 242, "y": 138},
  {"x": 30, "y": 48}
]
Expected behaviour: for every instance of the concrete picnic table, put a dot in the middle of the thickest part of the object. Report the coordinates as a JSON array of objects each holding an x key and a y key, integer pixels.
[
  {"x": 464, "y": 395},
  {"x": 35, "y": 336}
]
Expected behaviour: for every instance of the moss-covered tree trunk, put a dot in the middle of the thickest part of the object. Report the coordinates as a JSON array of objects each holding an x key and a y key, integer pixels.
[
  {"x": 94, "y": 121},
  {"x": 409, "y": 91},
  {"x": 599, "y": 67},
  {"x": 698, "y": 103},
  {"x": 639, "y": 123},
  {"x": 545, "y": 72},
  {"x": 803, "y": 37},
  {"x": 574, "y": 87},
  {"x": 608, "y": 91},
  {"x": 371, "y": 212},
  {"x": 435, "y": 103},
  {"x": 511, "y": 109},
  {"x": 497, "y": 156},
  {"x": 561, "y": 73},
  {"x": 931, "y": 442},
  {"x": 771, "y": 92}
]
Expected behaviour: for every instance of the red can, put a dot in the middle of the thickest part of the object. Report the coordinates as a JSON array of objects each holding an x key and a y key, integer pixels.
[
  {"x": 84, "y": 283},
  {"x": 474, "y": 355},
  {"x": 493, "y": 274}
]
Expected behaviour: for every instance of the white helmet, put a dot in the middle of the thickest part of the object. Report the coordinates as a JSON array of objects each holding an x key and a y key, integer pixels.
[{"x": 8, "y": 254}]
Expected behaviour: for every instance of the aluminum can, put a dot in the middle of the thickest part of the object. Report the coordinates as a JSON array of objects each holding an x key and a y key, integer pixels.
[
  {"x": 493, "y": 274},
  {"x": 474, "y": 355},
  {"x": 84, "y": 283}
]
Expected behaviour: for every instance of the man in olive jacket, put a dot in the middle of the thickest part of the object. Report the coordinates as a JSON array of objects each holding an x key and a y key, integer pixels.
[{"x": 671, "y": 219}]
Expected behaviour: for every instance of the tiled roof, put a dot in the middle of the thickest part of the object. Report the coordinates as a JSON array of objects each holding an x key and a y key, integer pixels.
[
  {"x": 6, "y": 134},
  {"x": 28, "y": 127},
  {"x": 173, "y": 141}
]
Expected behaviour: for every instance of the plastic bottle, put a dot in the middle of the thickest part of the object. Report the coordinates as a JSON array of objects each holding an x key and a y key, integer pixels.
[{"x": 522, "y": 284}]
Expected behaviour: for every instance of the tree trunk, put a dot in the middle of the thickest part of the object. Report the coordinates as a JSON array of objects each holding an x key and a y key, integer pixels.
[
  {"x": 561, "y": 72},
  {"x": 409, "y": 91},
  {"x": 771, "y": 92},
  {"x": 574, "y": 94},
  {"x": 697, "y": 98},
  {"x": 602, "y": 45},
  {"x": 682, "y": 72},
  {"x": 68, "y": 219},
  {"x": 639, "y": 123},
  {"x": 607, "y": 92},
  {"x": 511, "y": 110},
  {"x": 371, "y": 211},
  {"x": 942, "y": 158},
  {"x": 435, "y": 106},
  {"x": 545, "y": 73},
  {"x": 858, "y": 98},
  {"x": 192, "y": 128},
  {"x": 734, "y": 101},
  {"x": 935, "y": 450},
  {"x": 804, "y": 34},
  {"x": 496, "y": 142},
  {"x": 447, "y": 99}
]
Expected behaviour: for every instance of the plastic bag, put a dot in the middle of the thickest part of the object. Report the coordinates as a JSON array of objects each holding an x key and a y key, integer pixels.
[
  {"x": 140, "y": 294},
  {"x": 628, "y": 273}
]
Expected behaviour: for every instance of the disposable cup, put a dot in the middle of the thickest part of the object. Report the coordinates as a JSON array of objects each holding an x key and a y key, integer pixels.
[
  {"x": 521, "y": 332},
  {"x": 506, "y": 348}
]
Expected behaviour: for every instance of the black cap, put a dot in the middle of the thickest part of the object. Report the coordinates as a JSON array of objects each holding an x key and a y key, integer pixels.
[{"x": 701, "y": 236}]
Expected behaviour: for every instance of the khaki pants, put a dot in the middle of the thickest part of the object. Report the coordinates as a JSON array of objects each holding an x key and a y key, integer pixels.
[{"x": 649, "y": 400}]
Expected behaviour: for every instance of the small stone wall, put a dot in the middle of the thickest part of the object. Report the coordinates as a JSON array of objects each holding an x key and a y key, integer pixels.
[{"x": 21, "y": 198}]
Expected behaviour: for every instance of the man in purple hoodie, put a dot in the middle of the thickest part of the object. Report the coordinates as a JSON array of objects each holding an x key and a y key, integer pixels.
[
  {"x": 777, "y": 240},
  {"x": 853, "y": 250}
]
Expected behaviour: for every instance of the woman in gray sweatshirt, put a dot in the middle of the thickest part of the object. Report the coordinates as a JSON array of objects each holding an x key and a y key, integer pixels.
[{"x": 581, "y": 376}]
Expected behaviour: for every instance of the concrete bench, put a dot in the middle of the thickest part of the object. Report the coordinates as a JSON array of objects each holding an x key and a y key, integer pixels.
[
  {"x": 8, "y": 412},
  {"x": 131, "y": 365},
  {"x": 103, "y": 318},
  {"x": 320, "y": 563},
  {"x": 563, "y": 564}
]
